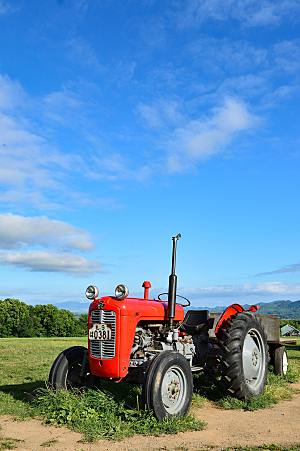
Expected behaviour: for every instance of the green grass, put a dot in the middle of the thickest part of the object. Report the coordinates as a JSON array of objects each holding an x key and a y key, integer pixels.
[
  {"x": 25, "y": 364},
  {"x": 9, "y": 443},
  {"x": 113, "y": 412},
  {"x": 97, "y": 415}
]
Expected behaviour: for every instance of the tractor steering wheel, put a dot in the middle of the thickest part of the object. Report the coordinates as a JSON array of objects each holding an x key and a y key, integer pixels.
[{"x": 177, "y": 296}]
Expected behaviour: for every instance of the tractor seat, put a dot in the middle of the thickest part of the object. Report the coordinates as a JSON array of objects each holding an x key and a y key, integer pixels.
[{"x": 195, "y": 322}]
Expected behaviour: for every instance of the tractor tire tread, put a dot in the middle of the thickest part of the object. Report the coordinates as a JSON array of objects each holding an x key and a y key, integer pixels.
[{"x": 230, "y": 337}]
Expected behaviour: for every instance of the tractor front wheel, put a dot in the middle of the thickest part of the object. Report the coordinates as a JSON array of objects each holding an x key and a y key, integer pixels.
[
  {"x": 168, "y": 386},
  {"x": 243, "y": 356},
  {"x": 70, "y": 370}
]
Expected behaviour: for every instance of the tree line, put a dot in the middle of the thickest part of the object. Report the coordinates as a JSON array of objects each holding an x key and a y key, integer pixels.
[{"x": 18, "y": 319}]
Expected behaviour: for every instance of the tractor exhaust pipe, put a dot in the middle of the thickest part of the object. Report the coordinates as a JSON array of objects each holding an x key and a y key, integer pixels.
[{"x": 172, "y": 283}]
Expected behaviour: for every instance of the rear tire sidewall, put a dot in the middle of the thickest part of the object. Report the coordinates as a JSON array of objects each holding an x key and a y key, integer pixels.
[
  {"x": 257, "y": 390},
  {"x": 153, "y": 387}
]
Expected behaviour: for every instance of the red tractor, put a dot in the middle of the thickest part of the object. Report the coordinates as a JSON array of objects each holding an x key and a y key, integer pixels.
[{"x": 153, "y": 343}]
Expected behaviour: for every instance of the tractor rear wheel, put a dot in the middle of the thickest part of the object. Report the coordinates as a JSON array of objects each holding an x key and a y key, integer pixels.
[
  {"x": 168, "y": 387},
  {"x": 243, "y": 356},
  {"x": 70, "y": 370}
]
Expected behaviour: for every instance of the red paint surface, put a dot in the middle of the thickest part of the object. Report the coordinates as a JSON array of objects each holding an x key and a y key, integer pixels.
[
  {"x": 146, "y": 285},
  {"x": 232, "y": 310},
  {"x": 129, "y": 312}
]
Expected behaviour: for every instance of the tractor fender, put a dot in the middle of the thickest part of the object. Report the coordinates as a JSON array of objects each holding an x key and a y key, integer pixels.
[{"x": 232, "y": 310}]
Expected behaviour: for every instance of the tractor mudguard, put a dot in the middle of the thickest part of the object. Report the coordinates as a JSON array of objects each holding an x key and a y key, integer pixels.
[{"x": 232, "y": 310}]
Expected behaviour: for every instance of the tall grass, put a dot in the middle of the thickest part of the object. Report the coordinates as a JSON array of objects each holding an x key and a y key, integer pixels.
[{"x": 97, "y": 415}]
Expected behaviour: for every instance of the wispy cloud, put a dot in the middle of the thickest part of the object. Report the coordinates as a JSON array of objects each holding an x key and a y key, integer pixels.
[
  {"x": 36, "y": 170},
  {"x": 6, "y": 8},
  {"x": 187, "y": 141},
  {"x": 223, "y": 55},
  {"x": 250, "y": 13},
  {"x": 12, "y": 95},
  {"x": 42, "y": 261},
  {"x": 240, "y": 291},
  {"x": 295, "y": 267},
  {"x": 202, "y": 138},
  {"x": 83, "y": 53},
  {"x": 286, "y": 55},
  {"x": 20, "y": 231},
  {"x": 161, "y": 113}
]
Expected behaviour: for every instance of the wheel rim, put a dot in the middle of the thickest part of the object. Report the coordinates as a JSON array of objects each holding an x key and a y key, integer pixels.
[
  {"x": 173, "y": 390},
  {"x": 254, "y": 358},
  {"x": 285, "y": 363}
]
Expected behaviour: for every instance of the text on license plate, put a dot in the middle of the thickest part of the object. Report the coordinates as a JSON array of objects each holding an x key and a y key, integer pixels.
[{"x": 100, "y": 332}]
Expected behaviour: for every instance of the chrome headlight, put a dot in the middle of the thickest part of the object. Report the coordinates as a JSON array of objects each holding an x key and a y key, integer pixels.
[
  {"x": 92, "y": 292},
  {"x": 121, "y": 291}
]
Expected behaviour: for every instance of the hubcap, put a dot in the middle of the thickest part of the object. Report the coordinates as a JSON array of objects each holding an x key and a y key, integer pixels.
[
  {"x": 173, "y": 390},
  {"x": 254, "y": 358}
]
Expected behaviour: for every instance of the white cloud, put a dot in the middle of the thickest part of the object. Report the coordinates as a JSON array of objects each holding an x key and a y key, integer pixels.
[
  {"x": 34, "y": 171},
  {"x": 161, "y": 113},
  {"x": 50, "y": 262},
  {"x": 286, "y": 55},
  {"x": 225, "y": 55},
  {"x": 62, "y": 106},
  {"x": 30, "y": 167},
  {"x": 12, "y": 94},
  {"x": 32, "y": 235},
  {"x": 16, "y": 230},
  {"x": 205, "y": 137},
  {"x": 83, "y": 53},
  {"x": 244, "y": 290},
  {"x": 250, "y": 13}
]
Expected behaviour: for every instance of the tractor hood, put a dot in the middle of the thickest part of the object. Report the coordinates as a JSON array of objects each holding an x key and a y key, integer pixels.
[{"x": 140, "y": 308}]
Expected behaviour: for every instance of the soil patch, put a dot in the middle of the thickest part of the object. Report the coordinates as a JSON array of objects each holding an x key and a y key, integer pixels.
[{"x": 225, "y": 428}]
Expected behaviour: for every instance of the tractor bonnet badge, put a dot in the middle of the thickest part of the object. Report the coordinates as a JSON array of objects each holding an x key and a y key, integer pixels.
[{"x": 100, "y": 305}]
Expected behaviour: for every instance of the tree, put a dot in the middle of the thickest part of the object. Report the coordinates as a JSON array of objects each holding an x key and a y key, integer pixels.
[
  {"x": 15, "y": 319},
  {"x": 18, "y": 319}
]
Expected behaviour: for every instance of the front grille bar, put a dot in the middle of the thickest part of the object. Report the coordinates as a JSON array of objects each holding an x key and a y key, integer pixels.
[{"x": 105, "y": 349}]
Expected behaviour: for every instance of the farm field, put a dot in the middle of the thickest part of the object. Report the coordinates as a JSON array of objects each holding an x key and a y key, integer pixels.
[{"x": 24, "y": 368}]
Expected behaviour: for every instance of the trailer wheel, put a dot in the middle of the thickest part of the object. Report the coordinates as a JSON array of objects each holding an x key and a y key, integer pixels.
[
  {"x": 70, "y": 370},
  {"x": 243, "y": 356},
  {"x": 280, "y": 361},
  {"x": 168, "y": 387}
]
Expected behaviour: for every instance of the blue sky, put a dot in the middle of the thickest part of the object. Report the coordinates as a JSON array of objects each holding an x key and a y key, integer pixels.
[{"x": 123, "y": 123}]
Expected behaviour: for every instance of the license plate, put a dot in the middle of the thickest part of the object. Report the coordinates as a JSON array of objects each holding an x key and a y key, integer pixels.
[{"x": 100, "y": 332}]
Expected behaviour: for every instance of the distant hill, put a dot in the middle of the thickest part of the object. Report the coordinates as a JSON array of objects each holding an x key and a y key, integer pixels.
[{"x": 284, "y": 309}]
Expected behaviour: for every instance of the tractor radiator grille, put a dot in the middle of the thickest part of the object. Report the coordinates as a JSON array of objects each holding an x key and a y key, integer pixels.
[{"x": 104, "y": 349}]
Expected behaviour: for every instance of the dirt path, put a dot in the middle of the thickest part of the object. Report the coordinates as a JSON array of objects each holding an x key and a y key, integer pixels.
[{"x": 277, "y": 425}]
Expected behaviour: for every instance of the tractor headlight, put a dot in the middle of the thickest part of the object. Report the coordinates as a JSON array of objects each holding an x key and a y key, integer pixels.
[
  {"x": 121, "y": 291},
  {"x": 92, "y": 292}
]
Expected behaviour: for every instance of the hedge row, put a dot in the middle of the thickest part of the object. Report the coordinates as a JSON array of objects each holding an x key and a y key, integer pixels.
[{"x": 18, "y": 319}]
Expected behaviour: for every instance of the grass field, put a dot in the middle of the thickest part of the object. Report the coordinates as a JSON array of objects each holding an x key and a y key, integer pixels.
[{"x": 25, "y": 364}]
